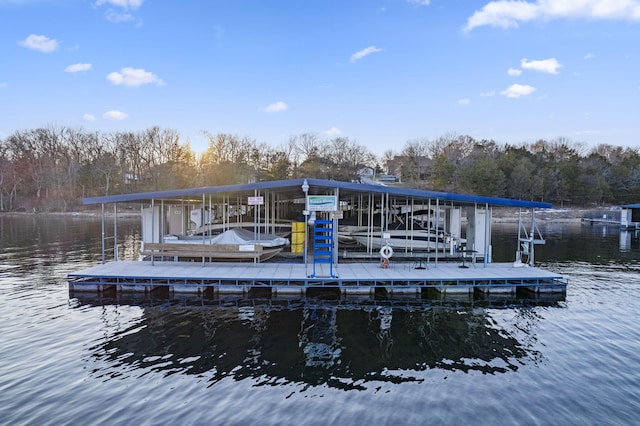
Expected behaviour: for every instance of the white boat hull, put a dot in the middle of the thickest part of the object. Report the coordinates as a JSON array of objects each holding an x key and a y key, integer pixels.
[
  {"x": 420, "y": 240},
  {"x": 280, "y": 229},
  {"x": 232, "y": 236}
]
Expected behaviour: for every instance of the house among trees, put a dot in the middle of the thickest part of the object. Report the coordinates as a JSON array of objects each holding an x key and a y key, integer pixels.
[
  {"x": 406, "y": 168},
  {"x": 387, "y": 179}
]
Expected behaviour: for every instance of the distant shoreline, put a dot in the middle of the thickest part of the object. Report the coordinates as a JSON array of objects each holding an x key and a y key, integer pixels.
[
  {"x": 500, "y": 215},
  {"x": 88, "y": 214}
]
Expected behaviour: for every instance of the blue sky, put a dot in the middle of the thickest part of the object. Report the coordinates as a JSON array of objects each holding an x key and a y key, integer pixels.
[{"x": 380, "y": 72}]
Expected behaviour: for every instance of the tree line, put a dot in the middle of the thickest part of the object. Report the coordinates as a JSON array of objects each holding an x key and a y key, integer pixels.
[
  {"x": 53, "y": 168},
  {"x": 558, "y": 171}
]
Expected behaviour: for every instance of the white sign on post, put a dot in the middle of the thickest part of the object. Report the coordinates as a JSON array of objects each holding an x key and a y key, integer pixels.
[
  {"x": 255, "y": 201},
  {"x": 322, "y": 203}
]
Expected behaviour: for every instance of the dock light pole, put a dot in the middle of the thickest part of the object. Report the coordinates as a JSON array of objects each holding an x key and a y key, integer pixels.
[{"x": 305, "y": 189}]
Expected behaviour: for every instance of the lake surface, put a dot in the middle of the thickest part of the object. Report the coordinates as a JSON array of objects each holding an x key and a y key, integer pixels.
[{"x": 566, "y": 360}]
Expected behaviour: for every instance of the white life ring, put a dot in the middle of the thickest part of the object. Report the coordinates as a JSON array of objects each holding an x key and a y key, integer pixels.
[{"x": 386, "y": 252}]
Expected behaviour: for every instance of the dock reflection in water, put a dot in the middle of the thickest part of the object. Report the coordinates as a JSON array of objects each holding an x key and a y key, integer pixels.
[{"x": 317, "y": 342}]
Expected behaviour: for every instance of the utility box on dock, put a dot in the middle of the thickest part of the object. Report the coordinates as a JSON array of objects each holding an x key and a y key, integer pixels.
[
  {"x": 178, "y": 219},
  {"x": 297, "y": 237},
  {"x": 153, "y": 225},
  {"x": 454, "y": 222},
  {"x": 626, "y": 218},
  {"x": 479, "y": 231}
]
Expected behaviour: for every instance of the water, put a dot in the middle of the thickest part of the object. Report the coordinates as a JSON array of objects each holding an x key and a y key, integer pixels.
[{"x": 67, "y": 360}]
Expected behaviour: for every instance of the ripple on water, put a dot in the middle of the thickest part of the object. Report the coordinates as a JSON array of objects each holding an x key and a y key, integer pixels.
[{"x": 272, "y": 362}]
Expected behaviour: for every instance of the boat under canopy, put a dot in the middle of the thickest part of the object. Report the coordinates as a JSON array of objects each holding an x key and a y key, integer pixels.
[{"x": 232, "y": 236}]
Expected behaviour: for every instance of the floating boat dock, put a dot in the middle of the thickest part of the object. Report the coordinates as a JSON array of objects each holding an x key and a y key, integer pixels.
[
  {"x": 628, "y": 217},
  {"x": 292, "y": 279},
  {"x": 458, "y": 262}
]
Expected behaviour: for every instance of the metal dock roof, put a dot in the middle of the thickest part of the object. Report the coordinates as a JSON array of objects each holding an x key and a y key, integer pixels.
[{"x": 292, "y": 188}]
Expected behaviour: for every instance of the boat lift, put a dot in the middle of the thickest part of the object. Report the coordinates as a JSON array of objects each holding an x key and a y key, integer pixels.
[{"x": 527, "y": 240}]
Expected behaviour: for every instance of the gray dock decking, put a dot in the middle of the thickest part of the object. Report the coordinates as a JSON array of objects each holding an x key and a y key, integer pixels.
[{"x": 293, "y": 278}]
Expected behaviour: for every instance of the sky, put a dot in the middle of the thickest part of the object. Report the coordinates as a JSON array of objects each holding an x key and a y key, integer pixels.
[{"x": 380, "y": 72}]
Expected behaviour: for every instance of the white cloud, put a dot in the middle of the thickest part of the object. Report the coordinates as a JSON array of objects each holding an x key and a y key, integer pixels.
[
  {"x": 40, "y": 43},
  {"x": 90, "y": 118},
  {"x": 114, "y": 115},
  {"x": 131, "y": 77},
  {"x": 276, "y": 107},
  {"x": 546, "y": 65},
  {"x": 125, "y": 4},
  {"x": 464, "y": 102},
  {"x": 334, "y": 131},
  {"x": 364, "y": 52},
  {"x": 508, "y": 13},
  {"x": 488, "y": 94},
  {"x": 514, "y": 72},
  {"x": 589, "y": 56},
  {"x": 518, "y": 90},
  {"x": 419, "y": 2},
  {"x": 77, "y": 68},
  {"x": 121, "y": 13},
  {"x": 116, "y": 17}
]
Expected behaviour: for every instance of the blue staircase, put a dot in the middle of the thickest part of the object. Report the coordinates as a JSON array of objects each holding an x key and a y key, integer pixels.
[{"x": 323, "y": 245}]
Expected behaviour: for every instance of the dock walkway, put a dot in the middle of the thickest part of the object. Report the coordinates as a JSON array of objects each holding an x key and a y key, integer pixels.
[{"x": 294, "y": 278}]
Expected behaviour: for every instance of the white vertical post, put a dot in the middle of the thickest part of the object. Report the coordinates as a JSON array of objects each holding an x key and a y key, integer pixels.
[
  {"x": 532, "y": 237},
  {"x": 305, "y": 190},
  {"x": 334, "y": 225},
  {"x": 153, "y": 225},
  {"x": 487, "y": 237},
  {"x": 115, "y": 232},
  {"x": 102, "y": 215}
]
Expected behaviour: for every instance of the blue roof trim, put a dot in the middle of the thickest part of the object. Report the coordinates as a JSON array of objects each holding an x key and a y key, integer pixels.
[
  {"x": 631, "y": 206},
  {"x": 190, "y": 192},
  {"x": 420, "y": 193},
  {"x": 322, "y": 183}
]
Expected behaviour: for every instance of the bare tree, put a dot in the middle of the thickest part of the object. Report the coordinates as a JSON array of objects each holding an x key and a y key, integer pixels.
[
  {"x": 308, "y": 146},
  {"x": 415, "y": 165}
]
